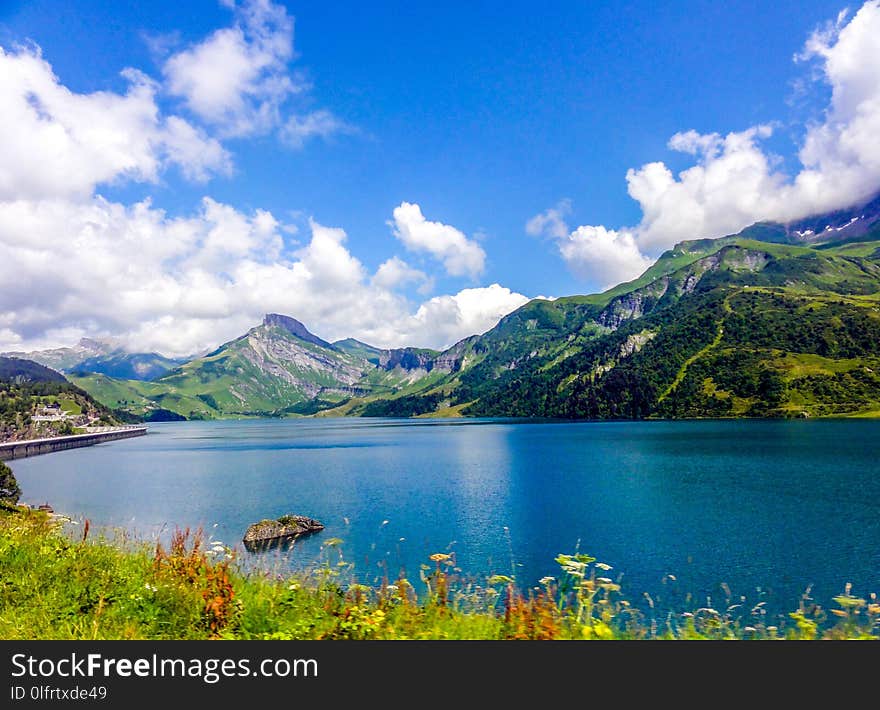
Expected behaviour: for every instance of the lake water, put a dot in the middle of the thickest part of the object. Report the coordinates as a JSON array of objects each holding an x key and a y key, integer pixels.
[{"x": 767, "y": 507}]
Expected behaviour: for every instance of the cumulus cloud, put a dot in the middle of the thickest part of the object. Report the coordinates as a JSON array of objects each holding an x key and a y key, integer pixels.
[
  {"x": 77, "y": 264},
  {"x": 460, "y": 256},
  {"x": 198, "y": 280},
  {"x": 395, "y": 272},
  {"x": 444, "y": 319},
  {"x": 237, "y": 79},
  {"x": 732, "y": 185},
  {"x": 56, "y": 142},
  {"x": 734, "y": 181},
  {"x": 603, "y": 256}
]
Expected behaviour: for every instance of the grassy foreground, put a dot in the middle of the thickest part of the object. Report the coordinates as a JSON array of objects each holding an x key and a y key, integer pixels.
[{"x": 56, "y": 587}]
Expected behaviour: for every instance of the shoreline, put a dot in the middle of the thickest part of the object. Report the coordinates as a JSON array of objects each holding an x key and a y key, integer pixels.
[
  {"x": 25, "y": 448},
  {"x": 192, "y": 592}
]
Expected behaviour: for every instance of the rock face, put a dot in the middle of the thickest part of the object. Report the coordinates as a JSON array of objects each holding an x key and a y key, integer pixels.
[
  {"x": 407, "y": 359},
  {"x": 294, "y": 327},
  {"x": 287, "y": 527}
]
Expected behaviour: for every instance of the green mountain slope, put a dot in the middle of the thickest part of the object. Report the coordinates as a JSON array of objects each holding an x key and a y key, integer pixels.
[
  {"x": 779, "y": 320},
  {"x": 276, "y": 365},
  {"x": 20, "y": 371},
  {"x": 661, "y": 344},
  {"x": 27, "y": 388},
  {"x": 751, "y": 329},
  {"x": 133, "y": 366},
  {"x": 277, "y": 368}
]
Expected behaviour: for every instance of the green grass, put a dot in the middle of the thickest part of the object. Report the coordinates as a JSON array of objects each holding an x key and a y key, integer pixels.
[
  {"x": 61, "y": 586},
  {"x": 802, "y": 364},
  {"x": 69, "y": 406}
]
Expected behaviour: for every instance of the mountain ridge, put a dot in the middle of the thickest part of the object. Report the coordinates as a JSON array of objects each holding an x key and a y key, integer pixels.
[{"x": 280, "y": 368}]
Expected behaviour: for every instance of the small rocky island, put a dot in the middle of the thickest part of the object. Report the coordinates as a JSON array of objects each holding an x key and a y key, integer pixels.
[{"x": 269, "y": 533}]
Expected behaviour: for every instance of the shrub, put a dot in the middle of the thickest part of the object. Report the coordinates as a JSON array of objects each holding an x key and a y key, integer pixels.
[{"x": 9, "y": 488}]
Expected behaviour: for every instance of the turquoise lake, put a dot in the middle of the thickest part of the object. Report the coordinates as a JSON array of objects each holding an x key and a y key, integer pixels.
[{"x": 768, "y": 508}]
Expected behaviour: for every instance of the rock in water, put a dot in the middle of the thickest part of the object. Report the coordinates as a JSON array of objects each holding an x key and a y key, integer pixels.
[{"x": 287, "y": 527}]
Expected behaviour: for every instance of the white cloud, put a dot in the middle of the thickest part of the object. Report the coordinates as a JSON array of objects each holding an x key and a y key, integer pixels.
[
  {"x": 193, "y": 151},
  {"x": 180, "y": 285},
  {"x": 237, "y": 80},
  {"x": 841, "y": 155},
  {"x": 55, "y": 142},
  {"x": 460, "y": 255},
  {"x": 77, "y": 264},
  {"x": 444, "y": 320},
  {"x": 395, "y": 272},
  {"x": 603, "y": 256},
  {"x": 731, "y": 186},
  {"x": 735, "y": 182},
  {"x": 551, "y": 222},
  {"x": 321, "y": 124}
]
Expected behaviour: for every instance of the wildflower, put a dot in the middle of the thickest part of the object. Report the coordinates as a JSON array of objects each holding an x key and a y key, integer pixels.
[
  {"x": 439, "y": 557},
  {"x": 848, "y": 601}
]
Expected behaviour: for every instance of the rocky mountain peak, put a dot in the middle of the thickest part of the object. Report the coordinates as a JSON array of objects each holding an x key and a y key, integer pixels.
[
  {"x": 295, "y": 328},
  {"x": 97, "y": 346}
]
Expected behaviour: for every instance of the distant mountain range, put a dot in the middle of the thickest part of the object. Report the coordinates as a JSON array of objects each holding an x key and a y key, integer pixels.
[
  {"x": 778, "y": 320},
  {"x": 276, "y": 368},
  {"x": 101, "y": 356}
]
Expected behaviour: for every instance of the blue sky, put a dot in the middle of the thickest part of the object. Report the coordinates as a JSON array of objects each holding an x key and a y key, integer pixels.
[{"x": 489, "y": 116}]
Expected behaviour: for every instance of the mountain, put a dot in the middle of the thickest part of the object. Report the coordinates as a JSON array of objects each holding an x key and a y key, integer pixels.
[
  {"x": 855, "y": 224},
  {"x": 62, "y": 359},
  {"x": 27, "y": 387},
  {"x": 276, "y": 368},
  {"x": 132, "y": 366},
  {"x": 769, "y": 322},
  {"x": 275, "y": 365},
  {"x": 104, "y": 357},
  {"x": 777, "y": 320},
  {"x": 19, "y": 371}
]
